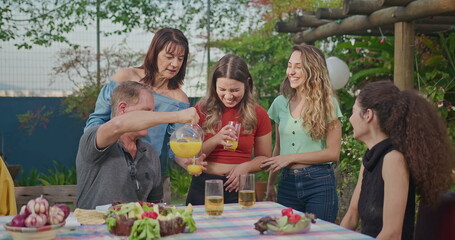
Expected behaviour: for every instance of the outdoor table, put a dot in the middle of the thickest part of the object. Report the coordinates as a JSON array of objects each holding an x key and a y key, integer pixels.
[{"x": 235, "y": 223}]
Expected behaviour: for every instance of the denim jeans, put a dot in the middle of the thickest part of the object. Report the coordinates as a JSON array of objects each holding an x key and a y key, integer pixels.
[{"x": 311, "y": 189}]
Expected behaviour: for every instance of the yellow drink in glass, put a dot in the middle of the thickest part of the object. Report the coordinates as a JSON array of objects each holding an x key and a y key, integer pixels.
[
  {"x": 234, "y": 146},
  {"x": 194, "y": 169},
  {"x": 214, "y": 205},
  {"x": 186, "y": 149},
  {"x": 247, "y": 198}
]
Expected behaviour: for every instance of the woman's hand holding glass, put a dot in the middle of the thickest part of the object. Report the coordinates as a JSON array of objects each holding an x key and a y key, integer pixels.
[
  {"x": 227, "y": 133},
  {"x": 233, "y": 144}
]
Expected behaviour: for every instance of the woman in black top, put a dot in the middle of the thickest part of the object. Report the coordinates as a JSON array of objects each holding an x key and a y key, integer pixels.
[{"x": 408, "y": 146}]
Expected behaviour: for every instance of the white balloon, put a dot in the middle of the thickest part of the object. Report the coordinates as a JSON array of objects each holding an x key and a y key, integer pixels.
[{"x": 338, "y": 72}]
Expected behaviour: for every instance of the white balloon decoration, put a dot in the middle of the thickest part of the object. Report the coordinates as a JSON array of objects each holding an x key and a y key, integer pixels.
[{"x": 338, "y": 72}]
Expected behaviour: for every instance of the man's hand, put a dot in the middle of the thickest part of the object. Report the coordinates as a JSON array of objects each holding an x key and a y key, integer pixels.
[{"x": 188, "y": 115}]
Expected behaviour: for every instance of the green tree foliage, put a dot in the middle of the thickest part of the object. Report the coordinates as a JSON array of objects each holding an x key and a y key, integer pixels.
[
  {"x": 58, "y": 175},
  {"x": 180, "y": 183},
  {"x": 30, "y": 120},
  {"x": 80, "y": 63},
  {"x": 369, "y": 59},
  {"x": 43, "y": 22},
  {"x": 435, "y": 74}
]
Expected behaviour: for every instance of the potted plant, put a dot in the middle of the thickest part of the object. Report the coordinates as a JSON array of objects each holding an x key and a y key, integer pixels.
[{"x": 261, "y": 185}]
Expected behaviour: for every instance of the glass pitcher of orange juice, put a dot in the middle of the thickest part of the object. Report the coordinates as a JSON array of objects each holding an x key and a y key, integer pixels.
[{"x": 186, "y": 142}]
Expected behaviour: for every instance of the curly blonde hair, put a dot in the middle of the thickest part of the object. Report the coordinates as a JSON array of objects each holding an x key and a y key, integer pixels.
[
  {"x": 317, "y": 94},
  {"x": 229, "y": 66}
]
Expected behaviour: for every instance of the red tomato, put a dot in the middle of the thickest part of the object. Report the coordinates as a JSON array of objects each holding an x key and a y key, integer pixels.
[
  {"x": 150, "y": 214},
  {"x": 287, "y": 212},
  {"x": 294, "y": 218}
]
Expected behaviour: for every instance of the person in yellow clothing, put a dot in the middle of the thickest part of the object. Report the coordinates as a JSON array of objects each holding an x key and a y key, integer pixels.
[{"x": 7, "y": 197}]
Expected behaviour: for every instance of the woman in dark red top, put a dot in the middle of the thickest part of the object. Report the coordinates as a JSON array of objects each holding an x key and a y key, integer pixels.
[{"x": 230, "y": 98}]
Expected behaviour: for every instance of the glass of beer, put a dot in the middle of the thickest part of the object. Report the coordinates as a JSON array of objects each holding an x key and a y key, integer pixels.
[
  {"x": 237, "y": 126},
  {"x": 214, "y": 200},
  {"x": 247, "y": 193}
]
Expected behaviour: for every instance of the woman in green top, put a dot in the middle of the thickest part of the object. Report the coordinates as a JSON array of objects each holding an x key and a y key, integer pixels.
[{"x": 308, "y": 137}]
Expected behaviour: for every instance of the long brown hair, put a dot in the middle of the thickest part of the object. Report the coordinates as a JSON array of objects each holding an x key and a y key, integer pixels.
[
  {"x": 417, "y": 131},
  {"x": 163, "y": 38},
  {"x": 229, "y": 66},
  {"x": 317, "y": 94}
]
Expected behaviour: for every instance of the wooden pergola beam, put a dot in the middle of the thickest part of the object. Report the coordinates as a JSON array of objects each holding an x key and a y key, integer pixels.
[
  {"x": 414, "y": 10},
  {"x": 330, "y": 13},
  {"x": 310, "y": 21},
  {"x": 288, "y": 27},
  {"x": 427, "y": 29},
  {"x": 360, "y": 7},
  {"x": 300, "y": 23},
  {"x": 393, "y": 2},
  {"x": 437, "y": 20},
  {"x": 403, "y": 70},
  {"x": 387, "y": 30}
]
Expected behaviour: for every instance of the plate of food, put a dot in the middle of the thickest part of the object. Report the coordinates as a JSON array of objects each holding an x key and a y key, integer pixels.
[
  {"x": 37, "y": 220},
  {"x": 143, "y": 220},
  {"x": 288, "y": 223}
]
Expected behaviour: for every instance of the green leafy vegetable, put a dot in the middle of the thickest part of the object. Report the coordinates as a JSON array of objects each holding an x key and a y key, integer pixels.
[
  {"x": 111, "y": 222},
  {"x": 147, "y": 229}
]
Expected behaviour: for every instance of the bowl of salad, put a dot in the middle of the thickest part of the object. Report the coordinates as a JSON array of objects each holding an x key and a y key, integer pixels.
[{"x": 288, "y": 223}]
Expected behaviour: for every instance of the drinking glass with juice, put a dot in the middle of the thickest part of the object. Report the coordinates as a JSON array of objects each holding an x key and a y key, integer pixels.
[
  {"x": 237, "y": 126},
  {"x": 214, "y": 197},
  {"x": 247, "y": 193}
]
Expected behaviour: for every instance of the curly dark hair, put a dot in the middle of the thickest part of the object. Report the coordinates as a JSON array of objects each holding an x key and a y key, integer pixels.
[{"x": 416, "y": 130}]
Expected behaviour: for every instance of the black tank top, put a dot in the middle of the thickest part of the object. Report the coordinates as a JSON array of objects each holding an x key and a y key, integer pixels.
[{"x": 371, "y": 199}]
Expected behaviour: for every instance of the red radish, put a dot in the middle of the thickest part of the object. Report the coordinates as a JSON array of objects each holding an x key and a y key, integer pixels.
[
  {"x": 287, "y": 212},
  {"x": 294, "y": 218}
]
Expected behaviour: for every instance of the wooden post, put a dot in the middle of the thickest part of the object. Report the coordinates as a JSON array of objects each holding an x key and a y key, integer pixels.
[{"x": 404, "y": 55}]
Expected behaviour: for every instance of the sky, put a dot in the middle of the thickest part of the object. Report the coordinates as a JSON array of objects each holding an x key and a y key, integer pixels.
[{"x": 28, "y": 72}]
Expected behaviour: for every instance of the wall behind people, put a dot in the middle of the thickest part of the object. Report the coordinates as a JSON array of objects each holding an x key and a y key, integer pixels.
[{"x": 58, "y": 141}]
